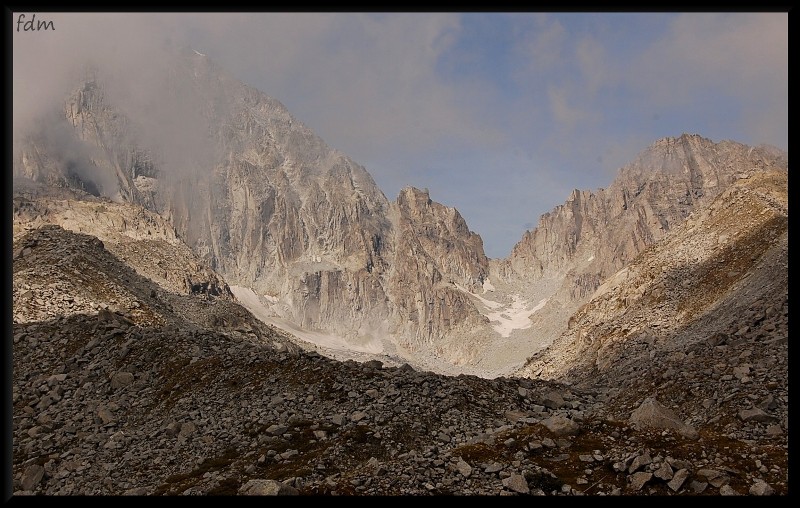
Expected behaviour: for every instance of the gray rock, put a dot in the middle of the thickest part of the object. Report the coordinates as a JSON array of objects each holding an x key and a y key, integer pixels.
[
  {"x": 514, "y": 416},
  {"x": 494, "y": 467},
  {"x": 277, "y": 430},
  {"x": 727, "y": 490},
  {"x": 32, "y": 476},
  {"x": 172, "y": 429},
  {"x": 121, "y": 379},
  {"x": 651, "y": 414},
  {"x": 516, "y": 483},
  {"x": 136, "y": 491},
  {"x": 768, "y": 404},
  {"x": 187, "y": 429},
  {"x": 373, "y": 364},
  {"x": 552, "y": 400},
  {"x": 337, "y": 419},
  {"x": 463, "y": 468},
  {"x": 637, "y": 480},
  {"x": 741, "y": 371},
  {"x": 678, "y": 463},
  {"x": 45, "y": 402},
  {"x": 105, "y": 415},
  {"x": 678, "y": 479},
  {"x": 664, "y": 472},
  {"x": 289, "y": 454},
  {"x": 358, "y": 416},
  {"x": 774, "y": 430},
  {"x": 698, "y": 487},
  {"x": 267, "y": 488},
  {"x": 761, "y": 488},
  {"x": 717, "y": 339},
  {"x": 756, "y": 415},
  {"x": 639, "y": 462},
  {"x": 713, "y": 476},
  {"x": 561, "y": 426}
]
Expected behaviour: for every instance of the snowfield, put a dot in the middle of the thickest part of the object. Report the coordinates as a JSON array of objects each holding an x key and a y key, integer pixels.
[{"x": 505, "y": 318}]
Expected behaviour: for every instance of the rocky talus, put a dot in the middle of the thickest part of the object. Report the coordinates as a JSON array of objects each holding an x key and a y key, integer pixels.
[
  {"x": 140, "y": 238},
  {"x": 122, "y": 387}
]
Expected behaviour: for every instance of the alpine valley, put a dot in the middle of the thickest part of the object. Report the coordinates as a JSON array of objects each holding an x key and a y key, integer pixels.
[{"x": 208, "y": 299}]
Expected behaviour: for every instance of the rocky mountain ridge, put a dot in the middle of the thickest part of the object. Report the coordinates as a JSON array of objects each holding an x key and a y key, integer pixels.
[
  {"x": 265, "y": 203},
  {"x": 578, "y": 245},
  {"x": 726, "y": 261},
  {"x": 121, "y": 387}
]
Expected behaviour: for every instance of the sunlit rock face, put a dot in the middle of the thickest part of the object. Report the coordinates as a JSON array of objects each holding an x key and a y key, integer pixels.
[
  {"x": 265, "y": 202},
  {"x": 579, "y": 244},
  {"x": 262, "y": 200}
]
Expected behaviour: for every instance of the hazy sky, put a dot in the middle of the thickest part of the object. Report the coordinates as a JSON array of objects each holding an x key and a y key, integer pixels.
[{"x": 499, "y": 115}]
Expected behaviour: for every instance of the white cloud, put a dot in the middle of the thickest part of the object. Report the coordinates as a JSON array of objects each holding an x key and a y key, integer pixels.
[
  {"x": 367, "y": 84},
  {"x": 541, "y": 43},
  {"x": 584, "y": 93},
  {"x": 742, "y": 57}
]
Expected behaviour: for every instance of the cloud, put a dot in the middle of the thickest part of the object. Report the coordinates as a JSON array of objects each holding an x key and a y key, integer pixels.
[
  {"x": 566, "y": 116},
  {"x": 135, "y": 58},
  {"x": 540, "y": 44},
  {"x": 567, "y": 98},
  {"x": 742, "y": 57},
  {"x": 366, "y": 83},
  {"x": 611, "y": 84}
]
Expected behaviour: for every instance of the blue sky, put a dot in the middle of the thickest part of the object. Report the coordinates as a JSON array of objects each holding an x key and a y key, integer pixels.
[{"x": 498, "y": 115}]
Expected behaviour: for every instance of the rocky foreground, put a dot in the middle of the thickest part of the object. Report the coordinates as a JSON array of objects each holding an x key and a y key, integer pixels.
[{"x": 121, "y": 387}]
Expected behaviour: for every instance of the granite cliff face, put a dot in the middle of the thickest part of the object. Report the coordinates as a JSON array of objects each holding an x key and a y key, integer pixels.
[
  {"x": 434, "y": 254},
  {"x": 721, "y": 276},
  {"x": 649, "y": 196},
  {"x": 266, "y": 203},
  {"x": 592, "y": 235}
]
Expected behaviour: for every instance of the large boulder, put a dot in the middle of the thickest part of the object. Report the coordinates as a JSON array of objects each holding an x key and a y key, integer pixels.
[
  {"x": 561, "y": 426},
  {"x": 651, "y": 414},
  {"x": 267, "y": 488}
]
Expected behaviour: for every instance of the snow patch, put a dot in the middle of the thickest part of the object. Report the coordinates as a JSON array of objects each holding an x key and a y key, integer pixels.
[
  {"x": 489, "y": 304},
  {"x": 505, "y": 318}
]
